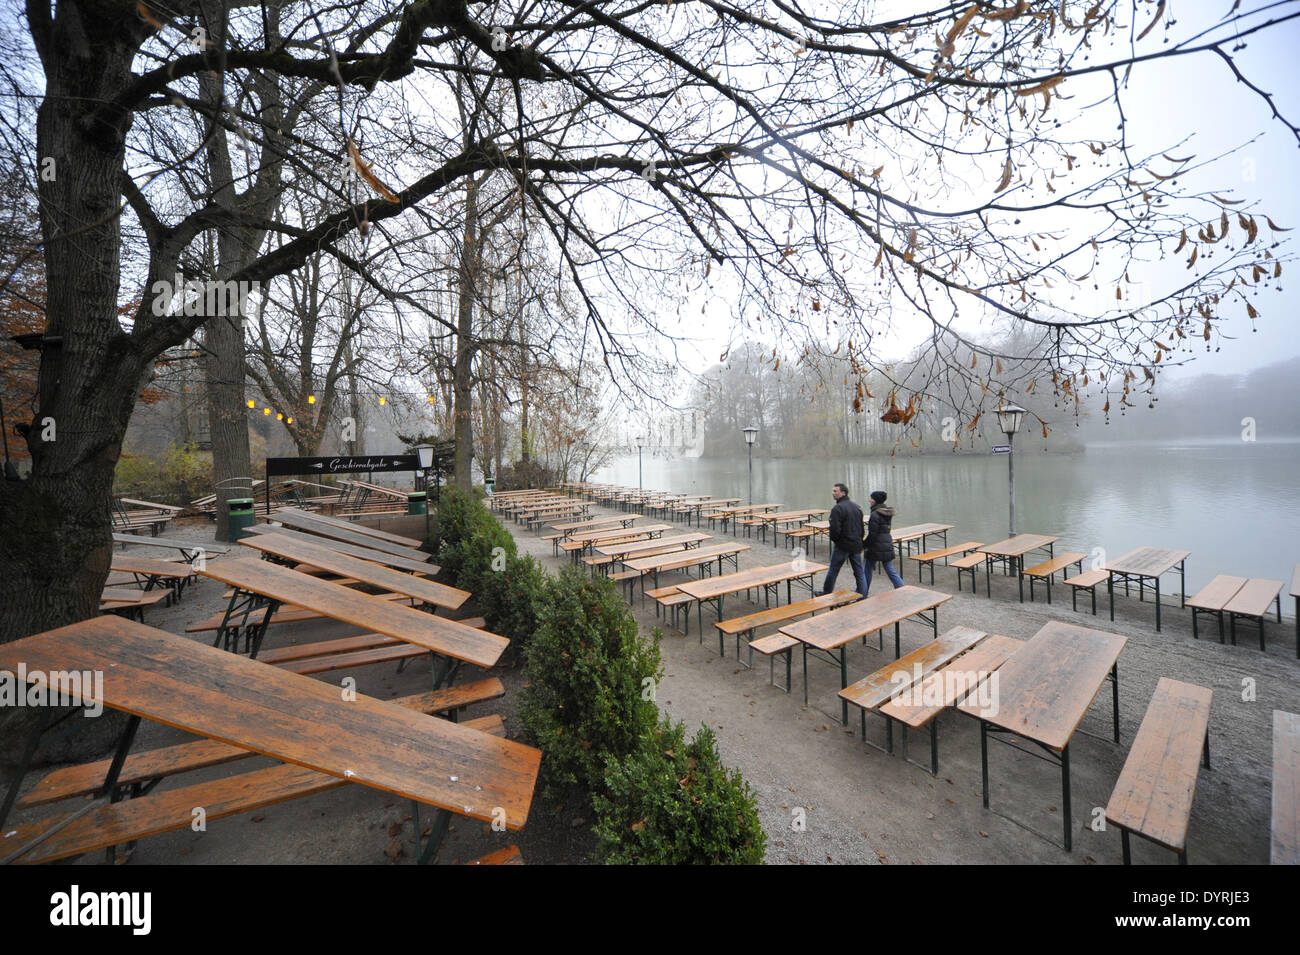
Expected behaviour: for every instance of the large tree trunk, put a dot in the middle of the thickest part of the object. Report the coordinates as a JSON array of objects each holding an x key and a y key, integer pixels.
[
  {"x": 55, "y": 553},
  {"x": 464, "y": 367}
]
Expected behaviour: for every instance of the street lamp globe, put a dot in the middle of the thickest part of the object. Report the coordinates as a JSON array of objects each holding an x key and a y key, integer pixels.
[
  {"x": 751, "y": 435},
  {"x": 1009, "y": 418}
]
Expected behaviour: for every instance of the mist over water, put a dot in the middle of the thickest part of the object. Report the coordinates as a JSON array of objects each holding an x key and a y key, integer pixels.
[{"x": 1234, "y": 505}]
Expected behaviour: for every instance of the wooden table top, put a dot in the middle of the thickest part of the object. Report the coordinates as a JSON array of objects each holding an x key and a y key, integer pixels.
[
  {"x": 833, "y": 629},
  {"x": 324, "y": 558},
  {"x": 1044, "y": 690},
  {"x": 362, "y": 610},
  {"x": 725, "y": 584},
  {"x": 631, "y": 550},
  {"x": 168, "y": 542},
  {"x": 353, "y": 550},
  {"x": 224, "y": 696},
  {"x": 410, "y": 542},
  {"x": 151, "y": 565},
  {"x": 600, "y": 522},
  {"x": 349, "y": 536},
  {"x": 914, "y": 531},
  {"x": 791, "y": 515},
  {"x": 590, "y": 537},
  {"x": 1018, "y": 545},
  {"x": 1285, "y": 848},
  {"x": 1147, "y": 561},
  {"x": 684, "y": 558},
  {"x": 937, "y": 691}
]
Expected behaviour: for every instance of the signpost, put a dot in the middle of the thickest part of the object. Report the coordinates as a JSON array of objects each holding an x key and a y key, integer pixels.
[
  {"x": 342, "y": 464},
  {"x": 1001, "y": 449}
]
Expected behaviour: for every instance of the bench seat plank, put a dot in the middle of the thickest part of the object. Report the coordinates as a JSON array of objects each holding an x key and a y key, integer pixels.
[
  {"x": 978, "y": 663},
  {"x": 874, "y": 690},
  {"x": 1254, "y": 598},
  {"x": 1285, "y": 840},
  {"x": 1154, "y": 793},
  {"x": 1215, "y": 595}
]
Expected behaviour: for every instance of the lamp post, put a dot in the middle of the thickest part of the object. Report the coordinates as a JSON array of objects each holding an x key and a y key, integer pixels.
[
  {"x": 425, "y": 453},
  {"x": 751, "y": 434},
  {"x": 1009, "y": 418},
  {"x": 640, "y": 481}
]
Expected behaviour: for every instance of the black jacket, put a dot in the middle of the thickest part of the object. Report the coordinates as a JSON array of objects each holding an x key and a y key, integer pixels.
[
  {"x": 846, "y": 526},
  {"x": 880, "y": 546}
]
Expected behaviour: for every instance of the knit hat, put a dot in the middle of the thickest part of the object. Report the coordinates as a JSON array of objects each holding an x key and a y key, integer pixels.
[{"x": 878, "y": 496}]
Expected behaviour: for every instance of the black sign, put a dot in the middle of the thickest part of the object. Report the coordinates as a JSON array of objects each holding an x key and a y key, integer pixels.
[{"x": 340, "y": 464}]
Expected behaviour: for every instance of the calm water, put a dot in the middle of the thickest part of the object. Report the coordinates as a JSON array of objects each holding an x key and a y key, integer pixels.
[{"x": 1234, "y": 505}]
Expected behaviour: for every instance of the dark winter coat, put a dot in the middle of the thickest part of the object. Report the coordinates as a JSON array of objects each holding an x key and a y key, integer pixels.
[
  {"x": 880, "y": 546},
  {"x": 846, "y": 526}
]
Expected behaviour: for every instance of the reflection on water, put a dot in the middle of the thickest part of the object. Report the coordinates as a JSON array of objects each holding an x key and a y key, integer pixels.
[{"x": 1234, "y": 505}]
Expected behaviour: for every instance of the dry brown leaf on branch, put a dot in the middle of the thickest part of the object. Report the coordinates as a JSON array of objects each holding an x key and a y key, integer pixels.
[
  {"x": 1276, "y": 228},
  {"x": 1160, "y": 9},
  {"x": 1181, "y": 242},
  {"x": 1006, "y": 176},
  {"x": 365, "y": 172},
  {"x": 1250, "y": 310}
]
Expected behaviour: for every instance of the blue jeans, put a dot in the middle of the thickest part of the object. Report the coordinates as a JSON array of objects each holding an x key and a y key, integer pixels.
[
  {"x": 892, "y": 574},
  {"x": 838, "y": 556}
]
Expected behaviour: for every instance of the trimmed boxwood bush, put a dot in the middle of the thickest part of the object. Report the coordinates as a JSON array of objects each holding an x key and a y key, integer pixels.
[
  {"x": 590, "y": 684},
  {"x": 469, "y": 534},
  {"x": 674, "y": 803}
]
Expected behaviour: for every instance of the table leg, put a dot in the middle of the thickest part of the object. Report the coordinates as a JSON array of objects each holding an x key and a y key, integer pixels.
[
  {"x": 1182, "y": 587},
  {"x": 1157, "y": 605},
  {"x": 984, "y": 759},
  {"x": 1114, "y": 680},
  {"x": 805, "y": 674},
  {"x": 898, "y": 651},
  {"x": 988, "y": 577},
  {"x": 844, "y": 683},
  {"x": 1110, "y": 593},
  {"x": 1019, "y": 564},
  {"x": 1065, "y": 795}
]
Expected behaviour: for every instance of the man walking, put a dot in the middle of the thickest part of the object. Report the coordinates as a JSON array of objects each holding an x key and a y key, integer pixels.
[
  {"x": 880, "y": 544},
  {"x": 846, "y": 536}
]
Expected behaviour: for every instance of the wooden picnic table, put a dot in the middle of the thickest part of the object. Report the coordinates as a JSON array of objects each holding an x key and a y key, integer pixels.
[
  {"x": 634, "y": 548},
  {"x": 323, "y": 557},
  {"x": 347, "y": 535},
  {"x": 188, "y": 550},
  {"x": 150, "y": 572},
  {"x": 771, "y": 518},
  {"x": 352, "y": 550},
  {"x": 1285, "y": 839},
  {"x": 258, "y": 578},
  {"x": 591, "y": 538},
  {"x": 1144, "y": 563},
  {"x": 905, "y": 535},
  {"x": 1295, "y": 594},
  {"x": 155, "y": 675},
  {"x": 835, "y": 630},
  {"x": 1043, "y": 692},
  {"x": 1013, "y": 551},
  {"x": 770, "y": 578},
  {"x": 679, "y": 560},
  {"x": 356, "y": 528},
  {"x": 599, "y": 523}
]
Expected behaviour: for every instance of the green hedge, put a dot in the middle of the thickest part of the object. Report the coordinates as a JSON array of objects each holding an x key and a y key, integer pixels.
[
  {"x": 588, "y": 703},
  {"x": 591, "y": 678},
  {"x": 674, "y": 803}
]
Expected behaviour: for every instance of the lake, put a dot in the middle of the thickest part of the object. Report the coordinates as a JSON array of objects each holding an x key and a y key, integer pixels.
[{"x": 1234, "y": 504}]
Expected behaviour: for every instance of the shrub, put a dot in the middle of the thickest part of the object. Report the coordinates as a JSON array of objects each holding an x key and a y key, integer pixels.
[
  {"x": 512, "y": 597},
  {"x": 586, "y": 695},
  {"x": 469, "y": 533},
  {"x": 674, "y": 803}
]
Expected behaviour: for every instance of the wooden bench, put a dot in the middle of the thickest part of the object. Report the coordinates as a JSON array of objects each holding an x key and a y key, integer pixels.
[
  {"x": 142, "y": 771},
  {"x": 930, "y": 557},
  {"x": 769, "y": 647},
  {"x": 1154, "y": 793},
  {"x": 1211, "y": 599},
  {"x": 1251, "y": 603},
  {"x": 671, "y": 598},
  {"x": 1285, "y": 826},
  {"x": 942, "y": 689},
  {"x": 906, "y": 674},
  {"x": 1089, "y": 580},
  {"x": 971, "y": 563},
  {"x": 122, "y": 822},
  {"x": 130, "y": 602},
  {"x": 792, "y": 611},
  {"x": 507, "y": 856},
  {"x": 1048, "y": 569}
]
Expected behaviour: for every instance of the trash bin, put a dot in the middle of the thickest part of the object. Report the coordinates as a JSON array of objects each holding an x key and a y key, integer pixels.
[
  {"x": 490, "y": 484},
  {"x": 417, "y": 502},
  {"x": 241, "y": 516}
]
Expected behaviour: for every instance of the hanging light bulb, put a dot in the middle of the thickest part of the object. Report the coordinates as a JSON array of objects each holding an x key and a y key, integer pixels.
[
  {"x": 266, "y": 411},
  {"x": 290, "y": 421},
  {"x": 382, "y": 399},
  {"x": 311, "y": 399},
  {"x": 279, "y": 416},
  {"x": 252, "y": 403}
]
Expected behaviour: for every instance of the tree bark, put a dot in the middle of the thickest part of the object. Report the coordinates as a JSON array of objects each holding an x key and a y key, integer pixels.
[{"x": 462, "y": 373}]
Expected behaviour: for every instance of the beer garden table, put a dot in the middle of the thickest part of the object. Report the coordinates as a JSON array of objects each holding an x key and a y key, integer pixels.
[{"x": 1144, "y": 563}]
